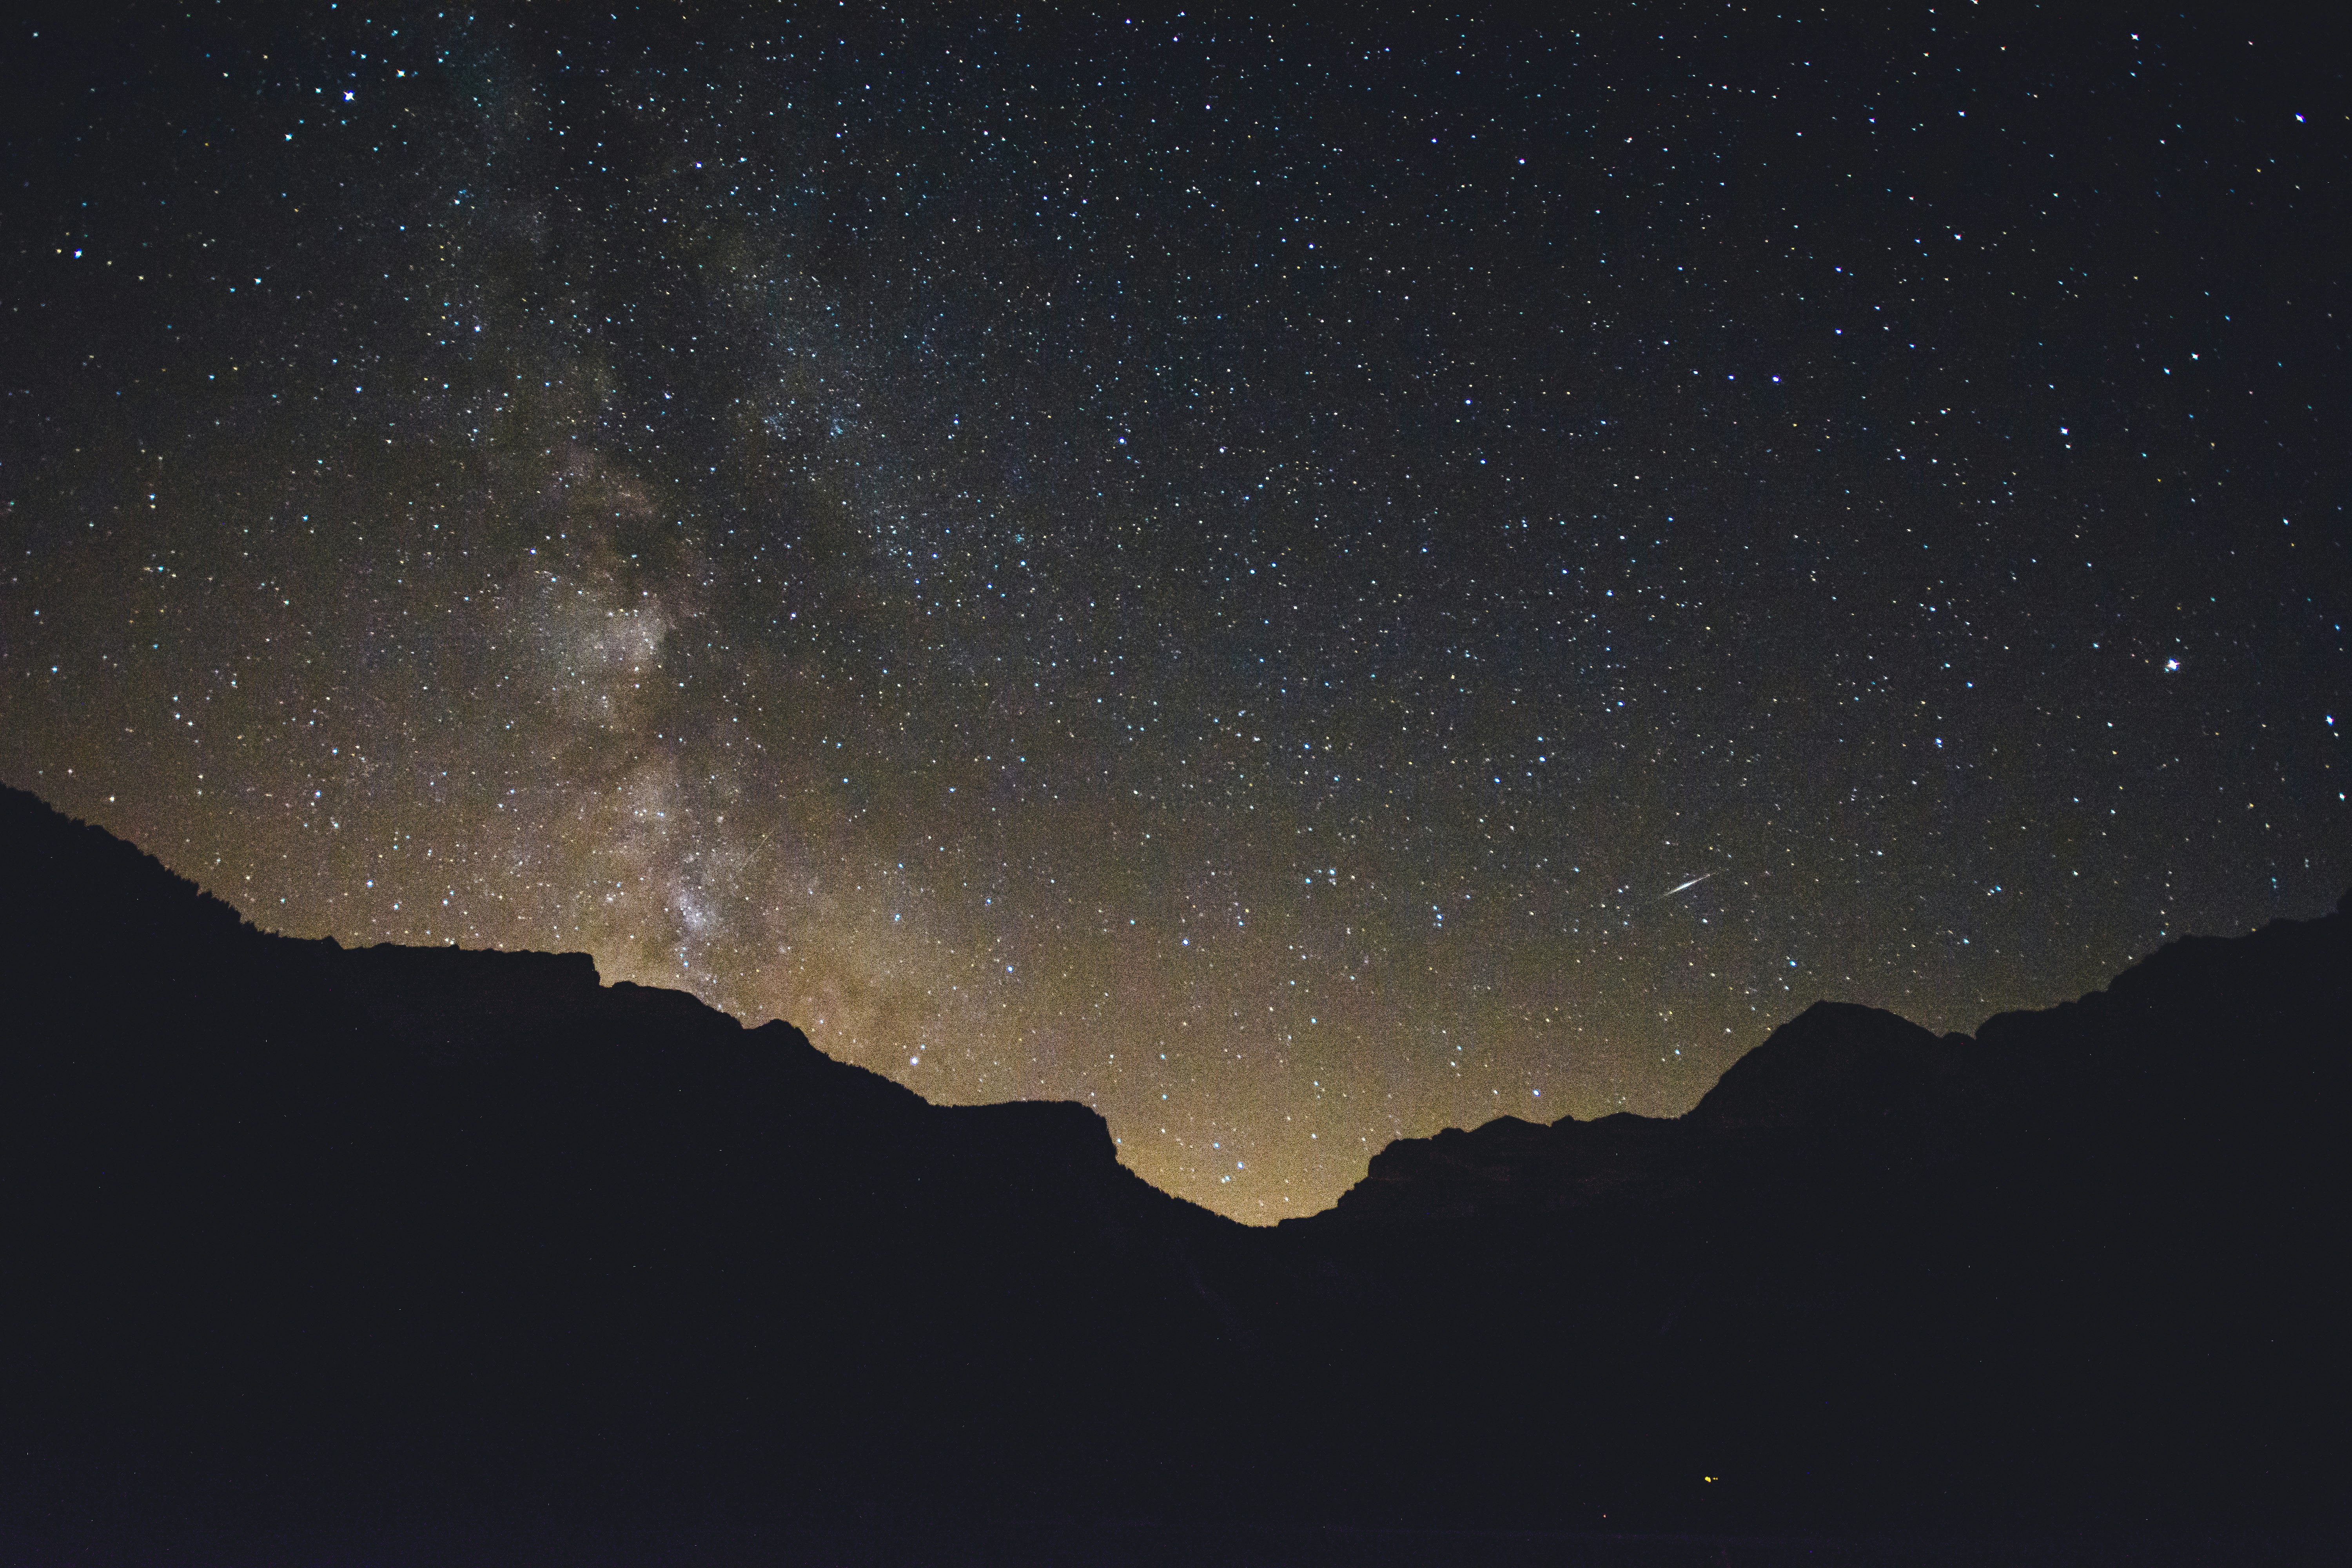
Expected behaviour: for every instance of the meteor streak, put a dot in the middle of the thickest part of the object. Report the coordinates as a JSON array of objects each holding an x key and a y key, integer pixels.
[{"x": 1694, "y": 882}]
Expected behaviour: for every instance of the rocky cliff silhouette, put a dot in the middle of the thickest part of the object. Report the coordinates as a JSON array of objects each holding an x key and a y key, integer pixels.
[{"x": 298, "y": 1232}]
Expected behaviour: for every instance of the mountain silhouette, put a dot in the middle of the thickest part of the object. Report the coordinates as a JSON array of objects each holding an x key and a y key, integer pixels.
[{"x": 299, "y": 1236}]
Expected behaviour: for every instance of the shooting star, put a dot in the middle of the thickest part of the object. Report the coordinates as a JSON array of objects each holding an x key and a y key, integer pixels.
[{"x": 1694, "y": 882}]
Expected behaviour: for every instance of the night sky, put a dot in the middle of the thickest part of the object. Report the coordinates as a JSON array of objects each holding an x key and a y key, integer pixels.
[{"x": 1295, "y": 582}]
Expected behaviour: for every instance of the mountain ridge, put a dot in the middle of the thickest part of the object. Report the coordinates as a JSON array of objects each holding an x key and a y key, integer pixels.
[{"x": 329, "y": 1234}]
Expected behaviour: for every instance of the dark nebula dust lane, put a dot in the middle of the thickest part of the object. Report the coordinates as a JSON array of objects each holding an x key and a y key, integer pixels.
[{"x": 1294, "y": 582}]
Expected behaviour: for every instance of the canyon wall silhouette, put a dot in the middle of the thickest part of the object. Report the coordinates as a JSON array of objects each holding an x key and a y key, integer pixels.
[{"x": 295, "y": 1231}]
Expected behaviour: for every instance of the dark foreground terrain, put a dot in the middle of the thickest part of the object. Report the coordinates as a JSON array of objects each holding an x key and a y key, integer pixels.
[{"x": 397, "y": 1254}]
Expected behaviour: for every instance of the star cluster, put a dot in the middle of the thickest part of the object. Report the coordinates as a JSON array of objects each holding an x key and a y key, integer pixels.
[{"x": 1294, "y": 582}]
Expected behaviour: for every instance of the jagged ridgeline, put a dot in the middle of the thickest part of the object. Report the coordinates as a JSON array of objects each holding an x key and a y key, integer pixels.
[{"x": 295, "y": 1233}]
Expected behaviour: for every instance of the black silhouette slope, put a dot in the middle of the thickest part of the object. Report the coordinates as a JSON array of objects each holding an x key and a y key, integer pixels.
[
  {"x": 467, "y": 1236},
  {"x": 287, "y": 1222},
  {"x": 2083, "y": 1266}
]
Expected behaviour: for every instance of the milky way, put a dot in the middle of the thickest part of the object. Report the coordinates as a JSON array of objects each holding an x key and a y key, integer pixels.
[{"x": 1224, "y": 570}]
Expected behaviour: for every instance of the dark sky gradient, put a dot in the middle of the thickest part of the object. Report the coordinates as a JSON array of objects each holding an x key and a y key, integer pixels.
[{"x": 1222, "y": 569}]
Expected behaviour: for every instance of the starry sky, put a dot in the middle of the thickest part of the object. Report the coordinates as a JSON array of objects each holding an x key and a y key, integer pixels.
[{"x": 1294, "y": 581}]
